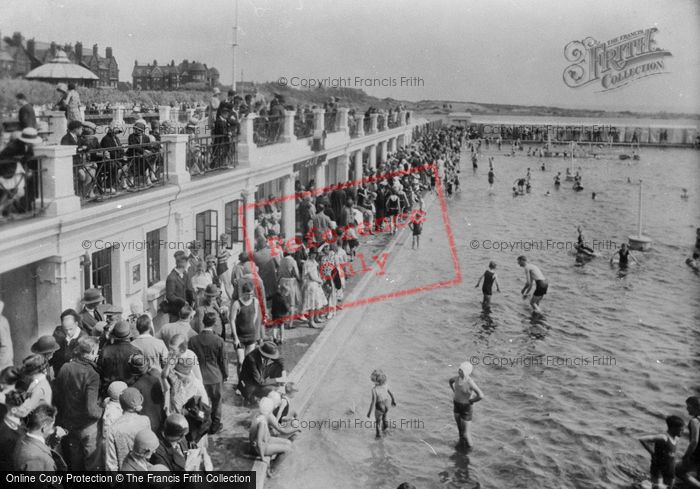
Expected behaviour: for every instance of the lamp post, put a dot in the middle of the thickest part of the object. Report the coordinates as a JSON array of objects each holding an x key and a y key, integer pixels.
[{"x": 234, "y": 45}]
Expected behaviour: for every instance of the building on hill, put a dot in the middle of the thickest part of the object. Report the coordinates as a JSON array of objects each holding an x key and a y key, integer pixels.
[
  {"x": 153, "y": 76},
  {"x": 32, "y": 54}
]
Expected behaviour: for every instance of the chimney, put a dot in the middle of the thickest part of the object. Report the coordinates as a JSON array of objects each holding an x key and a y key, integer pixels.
[
  {"x": 52, "y": 49},
  {"x": 155, "y": 63},
  {"x": 94, "y": 50},
  {"x": 136, "y": 62},
  {"x": 172, "y": 62},
  {"x": 79, "y": 51},
  {"x": 108, "y": 53},
  {"x": 17, "y": 39},
  {"x": 31, "y": 46}
]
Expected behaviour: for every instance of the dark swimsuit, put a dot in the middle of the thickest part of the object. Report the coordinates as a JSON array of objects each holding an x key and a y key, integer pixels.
[
  {"x": 662, "y": 461},
  {"x": 463, "y": 409},
  {"x": 541, "y": 288},
  {"x": 624, "y": 258},
  {"x": 488, "y": 282}
]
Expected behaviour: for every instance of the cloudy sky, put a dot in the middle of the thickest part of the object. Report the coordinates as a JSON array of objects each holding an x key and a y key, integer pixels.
[{"x": 495, "y": 51}]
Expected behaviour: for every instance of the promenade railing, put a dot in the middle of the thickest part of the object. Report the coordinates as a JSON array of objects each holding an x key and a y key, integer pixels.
[
  {"x": 104, "y": 173},
  {"x": 21, "y": 189},
  {"x": 206, "y": 154},
  {"x": 303, "y": 125},
  {"x": 267, "y": 130}
]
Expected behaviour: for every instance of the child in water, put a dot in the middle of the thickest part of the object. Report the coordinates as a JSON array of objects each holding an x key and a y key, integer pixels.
[
  {"x": 662, "y": 448},
  {"x": 466, "y": 393},
  {"x": 381, "y": 396},
  {"x": 490, "y": 280},
  {"x": 416, "y": 225}
]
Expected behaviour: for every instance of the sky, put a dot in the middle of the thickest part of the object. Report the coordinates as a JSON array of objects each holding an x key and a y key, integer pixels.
[{"x": 489, "y": 51}]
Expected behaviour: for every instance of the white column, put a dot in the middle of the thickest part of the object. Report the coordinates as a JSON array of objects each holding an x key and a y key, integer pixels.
[
  {"x": 357, "y": 161},
  {"x": 320, "y": 175},
  {"x": 342, "y": 168},
  {"x": 58, "y": 126},
  {"x": 343, "y": 120},
  {"x": 248, "y": 196},
  {"x": 288, "y": 207},
  {"x": 360, "y": 125},
  {"x": 57, "y": 179},
  {"x": 382, "y": 152},
  {"x": 245, "y": 140},
  {"x": 118, "y": 115},
  {"x": 392, "y": 145},
  {"x": 81, "y": 109},
  {"x": 319, "y": 122},
  {"x": 174, "y": 114},
  {"x": 372, "y": 157},
  {"x": 163, "y": 113},
  {"x": 176, "y": 147},
  {"x": 58, "y": 285},
  {"x": 288, "y": 127},
  {"x": 373, "y": 123},
  {"x": 402, "y": 118}
]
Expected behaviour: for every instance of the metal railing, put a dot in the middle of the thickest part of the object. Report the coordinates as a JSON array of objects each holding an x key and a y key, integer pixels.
[
  {"x": 330, "y": 122},
  {"x": 267, "y": 130},
  {"x": 21, "y": 189},
  {"x": 206, "y": 154},
  {"x": 304, "y": 125},
  {"x": 104, "y": 173}
]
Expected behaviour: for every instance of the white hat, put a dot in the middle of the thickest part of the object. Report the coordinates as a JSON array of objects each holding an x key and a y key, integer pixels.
[{"x": 466, "y": 368}]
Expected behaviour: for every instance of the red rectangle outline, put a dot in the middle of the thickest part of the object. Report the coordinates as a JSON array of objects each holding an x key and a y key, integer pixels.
[{"x": 359, "y": 302}]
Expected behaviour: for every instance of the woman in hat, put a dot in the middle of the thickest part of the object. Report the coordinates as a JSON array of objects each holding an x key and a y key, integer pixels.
[
  {"x": 46, "y": 346},
  {"x": 17, "y": 169},
  {"x": 34, "y": 384},
  {"x": 201, "y": 279},
  {"x": 182, "y": 383},
  {"x": 314, "y": 298},
  {"x": 69, "y": 101}
]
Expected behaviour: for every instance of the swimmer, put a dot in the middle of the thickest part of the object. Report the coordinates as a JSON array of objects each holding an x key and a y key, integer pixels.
[
  {"x": 533, "y": 276},
  {"x": 520, "y": 182},
  {"x": 547, "y": 194},
  {"x": 580, "y": 244},
  {"x": 557, "y": 179},
  {"x": 381, "y": 396},
  {"x": 262, "y": 443},
  {"x": 543, "y": 168},
  {"x": 492, "y": 177},
  {"x": 624, "y": 255},
  {"x": 684, "y": 195},
  {"x": 693, "y": 262},
  {"x": 593, "y": 196},
  {"x": 662, "y": 447},
  {"x": 466, "y": 393},
  {"x": 490, "y": 280}
]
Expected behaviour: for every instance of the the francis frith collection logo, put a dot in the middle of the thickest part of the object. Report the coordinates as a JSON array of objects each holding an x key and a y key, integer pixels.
[{"x": 614, "y": 63}]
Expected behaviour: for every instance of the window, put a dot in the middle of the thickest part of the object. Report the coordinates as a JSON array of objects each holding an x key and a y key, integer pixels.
[
  {"x": 153, "y": 256},
  {"x": 102, "y": 272},
  {"x": 206, "y": 232},
  {"x": 232, "y": 223}
]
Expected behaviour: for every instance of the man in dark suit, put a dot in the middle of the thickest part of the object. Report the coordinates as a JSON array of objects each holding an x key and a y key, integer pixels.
[
  {"x": 31, "y": 452},
  {"x": 27, "y": 118},
  {"x": 89, "y": 315},
  {"x": 178, "y": 287},
  {"x": 72, "y": 137},
  {"x": 211, "y": 353},
  {"x": 172, "y": 451},
  {"x": 67, "y": 336}
]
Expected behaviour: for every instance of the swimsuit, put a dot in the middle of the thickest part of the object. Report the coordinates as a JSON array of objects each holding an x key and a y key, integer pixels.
[
  {"x": 624, "y": 258},
  {"x": 245, "y": 324},
  {"x": 489, "y": 277},
  {"x": 463, "y": 409},
  {"x": 662, "y": 460},
  {"x": 541, "y": 288}
]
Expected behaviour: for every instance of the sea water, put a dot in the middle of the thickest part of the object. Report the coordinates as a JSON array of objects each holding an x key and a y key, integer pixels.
[{"x": 552, "y": 416}]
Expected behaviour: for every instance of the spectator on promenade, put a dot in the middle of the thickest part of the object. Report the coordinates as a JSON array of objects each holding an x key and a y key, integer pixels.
[
  {"x": 69, "y": 101},
  {"x": 46, "y": 346},
  {"x": 183, "y": 380},
  {"x": 117, "y": 167},
  {"x": 89, "y": 315},
  {"x": 27, "y": 118},
  {"x": 67, "y": 336},
  {"x": 31, "y": 451},
  {"x": 314, "y": 298},
  {"x": 173, "y": 447},
  {"x": 222, "y": 134},
  {"x": 213, "y": 106},
  {"x": 178, "y": 287},
  {"x": 146, "y": 379},
  {"x": 121, "y": 436},
  {"x": 145, "y": 444},
  {"x": 114, "y": 357},
  {"x": 34, "y": 384},
  {"x": 182, "y": 326},
  {"x": 267, "y": 264},
  {"x": 79, "y": 409},
  {"x": 289, "y": 285},
  {"x": 319, "y": 226},
  {"x": 153, "y": 349},
  {"x": 262, "y": 371},
  {"x": 112, "y": 408},
  {"x": 210, "y": 304},
  {"x": 211, "y": 353},
  {"x": 18, "y": 180}
]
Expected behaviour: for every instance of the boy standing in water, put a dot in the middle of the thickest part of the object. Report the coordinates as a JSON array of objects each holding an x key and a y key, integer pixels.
[
  {"x": 533, "y": 276},
  {"x": 381, "y": 396},
  {"x": 466, "y": 393},
  {"x": 416, "y": 226},
  {"x": 490, "y": 280},
  {"x": 662, "y": 447}
]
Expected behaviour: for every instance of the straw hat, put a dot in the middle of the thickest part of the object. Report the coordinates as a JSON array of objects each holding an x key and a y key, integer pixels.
[{"x": 30, "y": 135}]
